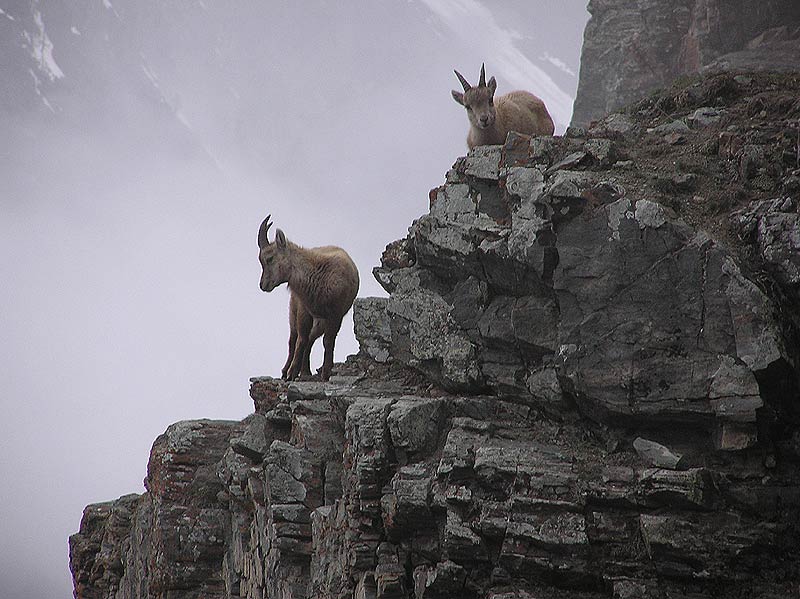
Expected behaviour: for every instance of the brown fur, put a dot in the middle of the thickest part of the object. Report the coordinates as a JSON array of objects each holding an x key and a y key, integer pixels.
[
  {"x": 492, "y": 119},
  {"x": 323, "y": 283}
]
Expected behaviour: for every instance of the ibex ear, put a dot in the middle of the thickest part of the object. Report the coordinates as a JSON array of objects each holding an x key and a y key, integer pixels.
[
  {"x": 280, "y": 239},
  {"x": 492, "y": 85},
  {"x": 458, "y": 97}
]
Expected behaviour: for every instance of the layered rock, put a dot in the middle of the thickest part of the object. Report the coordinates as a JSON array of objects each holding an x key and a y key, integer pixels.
[
  {"x": 439, "y": 496},
  {"x": 557, "y": 270},
  {"x": 583, "y": 384},
  {"x": 170, "y": 539},
  {"x": 632, "y": 48}
]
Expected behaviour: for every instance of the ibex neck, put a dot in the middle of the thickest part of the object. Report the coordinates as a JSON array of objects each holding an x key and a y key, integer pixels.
[
  {"x": 490, "y": 136},
  {"x": 303, "y": 267}
]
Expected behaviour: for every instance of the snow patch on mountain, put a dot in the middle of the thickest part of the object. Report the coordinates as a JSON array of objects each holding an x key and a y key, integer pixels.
[
  {"x": 151, "y": 76},
  {"x": 110, "y": 7},
  {"x": 182, "y": 118},
  {"x": 41, "y": 49},
  {"x": 558, "y": 63},
  {"x": 37, "y": 86}
]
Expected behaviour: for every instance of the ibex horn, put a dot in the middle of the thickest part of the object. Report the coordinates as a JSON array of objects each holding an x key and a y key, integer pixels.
[
  {"x": 463, "y": 81},
  {"x": 262, "y": 232},
  {"x": 482, "y": 82}
]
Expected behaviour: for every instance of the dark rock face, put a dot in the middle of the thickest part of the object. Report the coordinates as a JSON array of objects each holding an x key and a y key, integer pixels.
[
  {"x": 774, "y": 229},
  {"x": 534, "y": 279},
  {"x": 97, "y": 552},
  {"x": 583, "y": 384},
  {"x": 170, "y": 541},
  {"x": 632, "y": 48}
]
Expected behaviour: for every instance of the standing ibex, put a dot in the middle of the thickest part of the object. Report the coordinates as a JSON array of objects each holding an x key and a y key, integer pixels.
[
  {"x": 323, "y": 283},
  {"x": 491, "y": 120}
]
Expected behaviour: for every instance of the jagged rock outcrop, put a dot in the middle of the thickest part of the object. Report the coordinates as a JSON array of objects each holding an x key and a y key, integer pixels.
[
  {"x": 633, "y": 48},
  {"x": 171, "y": 538},
  {"x": 559, "y": 269},
  {"x": 583, "y": 383}
]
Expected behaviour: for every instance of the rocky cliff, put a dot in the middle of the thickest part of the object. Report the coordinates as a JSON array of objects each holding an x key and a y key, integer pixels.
[
  {"x": 632, "y": 48},
  {"x": 583, "y": 383}
]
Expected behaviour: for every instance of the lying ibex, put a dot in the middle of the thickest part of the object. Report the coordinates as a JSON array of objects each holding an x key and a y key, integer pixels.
[
  {"x": 323, "y": 283},
  {"x": 491, "y": 120}
]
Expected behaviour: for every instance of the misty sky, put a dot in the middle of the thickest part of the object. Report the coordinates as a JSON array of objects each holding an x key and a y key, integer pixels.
[{"x": 132, "y": 190}]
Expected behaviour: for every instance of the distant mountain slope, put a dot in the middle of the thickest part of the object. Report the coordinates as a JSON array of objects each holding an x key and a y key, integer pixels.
[{"x": 632, "y": 48}]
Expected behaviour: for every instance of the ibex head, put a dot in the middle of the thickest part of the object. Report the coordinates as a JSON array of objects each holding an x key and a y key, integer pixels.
[
  {"x": 479, "y": 101},
  {"x": 274, "y": 257}
]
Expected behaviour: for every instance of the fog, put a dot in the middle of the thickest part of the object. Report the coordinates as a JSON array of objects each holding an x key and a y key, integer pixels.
[{"x": 132, "y": 188}]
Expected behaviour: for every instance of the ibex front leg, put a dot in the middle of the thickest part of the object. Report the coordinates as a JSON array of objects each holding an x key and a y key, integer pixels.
[
  {"x": 302, "y": 347},
  {"x": 294, "y": 307}
]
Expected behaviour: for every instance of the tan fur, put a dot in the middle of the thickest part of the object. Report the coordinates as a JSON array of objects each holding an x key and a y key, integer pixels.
[
  {"x": 323, "y": 283},
  {"x": 492, "y": 119}
]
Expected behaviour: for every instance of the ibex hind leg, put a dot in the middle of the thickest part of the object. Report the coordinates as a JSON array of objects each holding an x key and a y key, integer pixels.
[
  {"x": 305, "y": 362},
  {"x": 304, "y": 353},
  {"x": 316, "y": 332},
  {"x": 329, "y": 341}
]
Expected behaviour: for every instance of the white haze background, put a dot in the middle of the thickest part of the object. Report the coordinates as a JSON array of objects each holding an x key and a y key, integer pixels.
[{"x": 129, "y": 296}]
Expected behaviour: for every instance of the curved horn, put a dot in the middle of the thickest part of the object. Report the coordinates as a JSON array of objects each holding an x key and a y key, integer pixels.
[
  {"x": 482, "y": 82},
  {"x": 463, "y": 81},
  {"x": 262, "y": 232}
]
